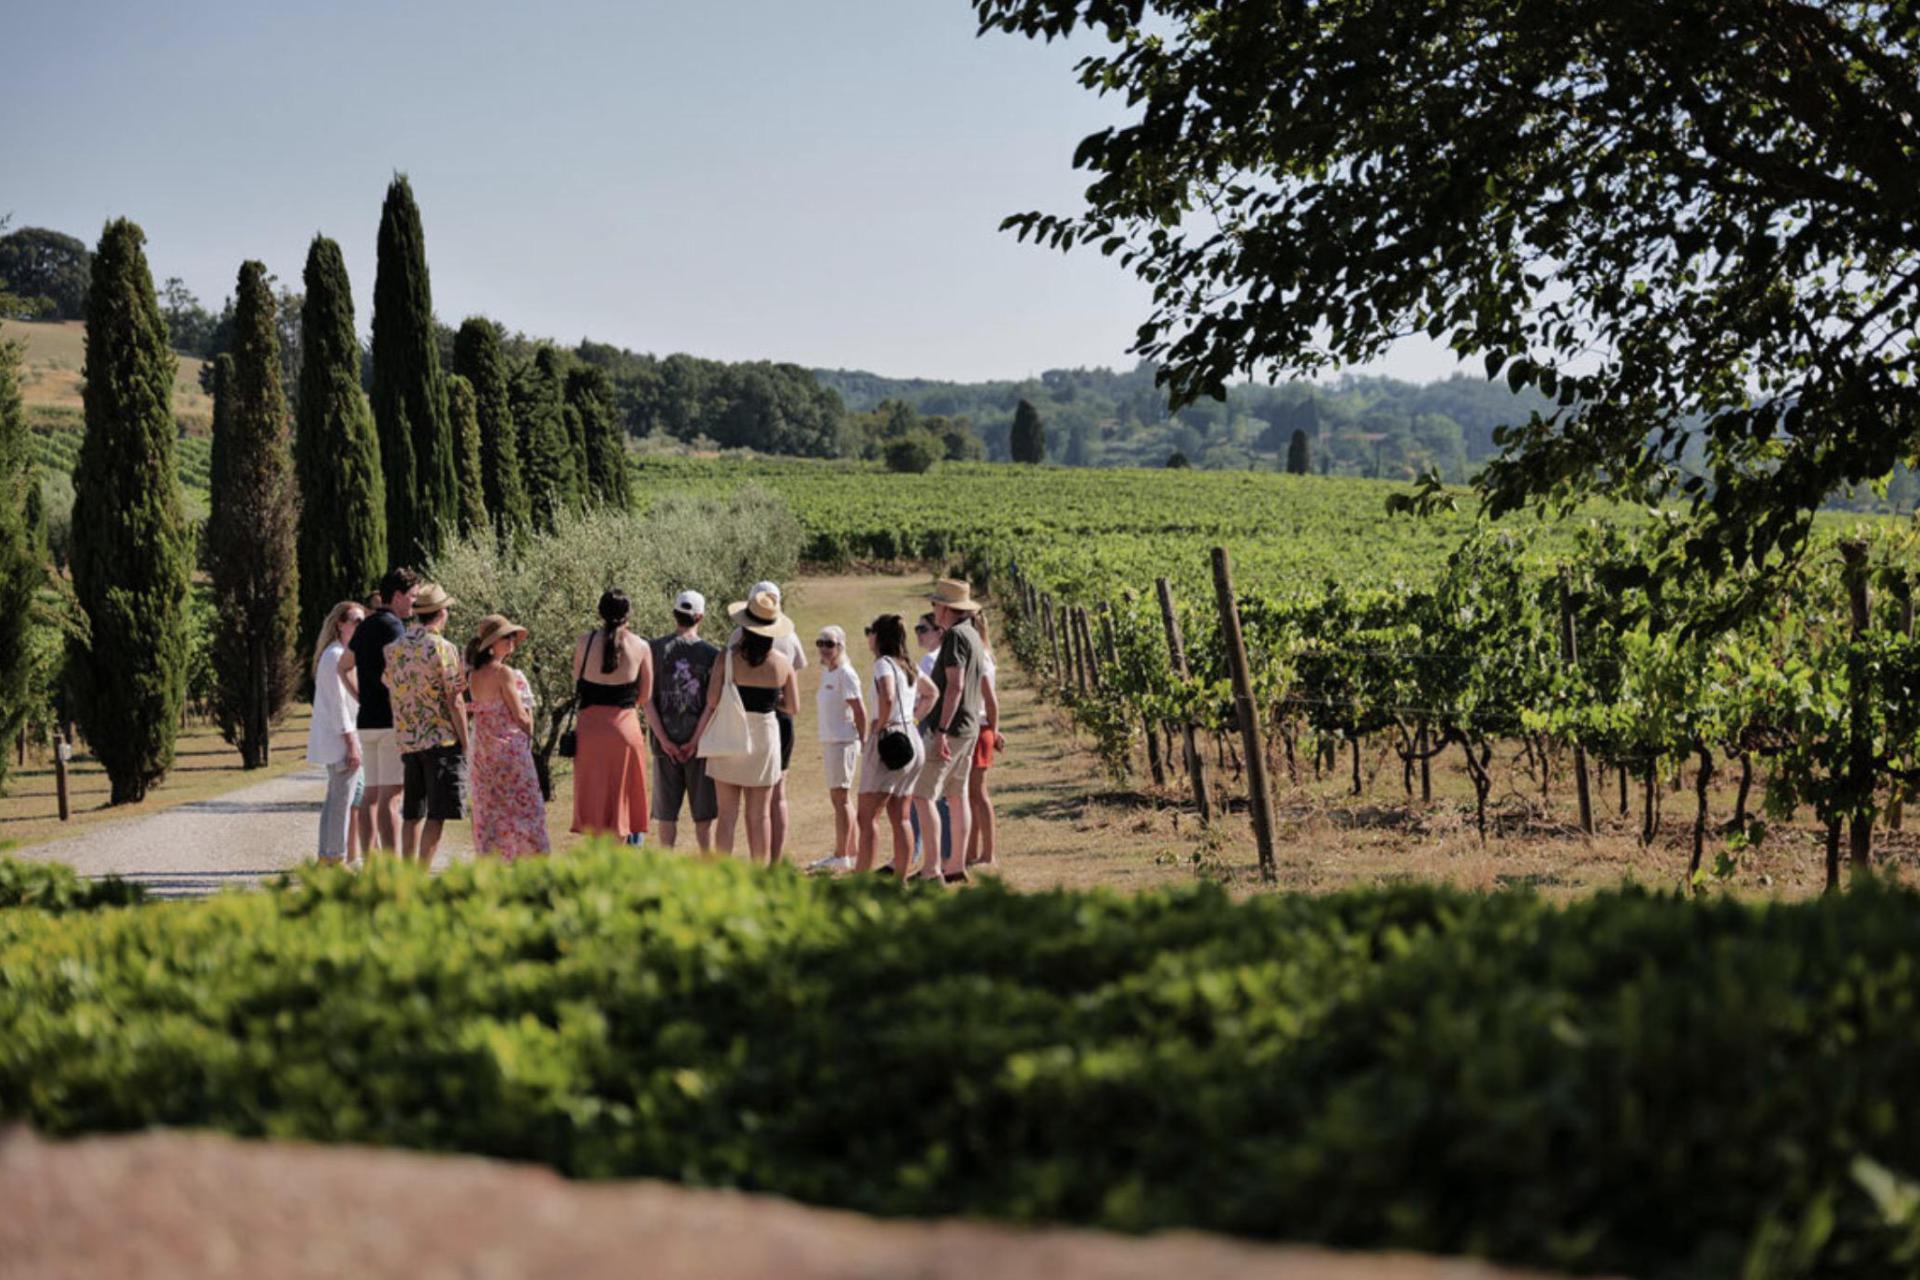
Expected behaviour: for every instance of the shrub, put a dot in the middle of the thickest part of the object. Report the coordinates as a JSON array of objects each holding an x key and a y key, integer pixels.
[
  {"x": 53, "y": 887},
  {"x": 1633, "y": 1083},
  {"x": 911, "y": 455}
]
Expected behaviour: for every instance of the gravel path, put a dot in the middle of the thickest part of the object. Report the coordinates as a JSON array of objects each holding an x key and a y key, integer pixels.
[{"x": 201, "y": 847}]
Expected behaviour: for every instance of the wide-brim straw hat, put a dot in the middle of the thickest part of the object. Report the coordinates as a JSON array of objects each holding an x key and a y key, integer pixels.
[
  {"x": 432, "y": 598},
  {"x": 955, "y": 595},
  {"x": 494, "y": 628},
  {"x": 760, "y": 614}
]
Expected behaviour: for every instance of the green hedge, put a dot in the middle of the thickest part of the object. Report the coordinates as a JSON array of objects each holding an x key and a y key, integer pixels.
[{"x": 1632, "y": 1083}]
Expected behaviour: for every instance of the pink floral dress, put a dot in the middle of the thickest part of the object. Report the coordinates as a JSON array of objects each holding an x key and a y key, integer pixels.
[{"x": 509, "y": 817}]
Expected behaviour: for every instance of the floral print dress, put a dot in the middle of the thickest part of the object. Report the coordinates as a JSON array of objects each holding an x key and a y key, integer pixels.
[{"x": 509, "y": 817}]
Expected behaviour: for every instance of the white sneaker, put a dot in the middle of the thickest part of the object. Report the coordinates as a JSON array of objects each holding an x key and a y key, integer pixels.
[{"x": 831, "y": 863}]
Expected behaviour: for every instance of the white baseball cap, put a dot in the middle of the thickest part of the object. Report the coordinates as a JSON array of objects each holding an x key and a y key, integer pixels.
[
  {"x": 690, "y": 602},
  {"x": 770, "y": 588}
]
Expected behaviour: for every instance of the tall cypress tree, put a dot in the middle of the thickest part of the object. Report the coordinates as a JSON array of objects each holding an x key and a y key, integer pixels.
[
  {"x": 477, "y": 358},
  {"x": 132, "y": 550},
  {"x": 545, "y": 452},
  {"x": 1028, "y": 442},
  {"x": 250, "y": 533},
  {"x": 1299, "y": 454},
  {"x": 579, "y": 485},
  {"x": 22, "y": 562},
  {"x": 336, "y": 451},
  {"x": 590, "y": 396},
  {"x": 465, "y": 416},
  {"x": 409, "y": 394}
]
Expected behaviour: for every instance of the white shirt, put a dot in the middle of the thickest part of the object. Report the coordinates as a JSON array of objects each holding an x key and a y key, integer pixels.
[
  {"x": 887, "y": 669},
  {"x": 926, "y": 663},
  {"x": 334, "y": 710},
  {"x": 839, "y": 691}
]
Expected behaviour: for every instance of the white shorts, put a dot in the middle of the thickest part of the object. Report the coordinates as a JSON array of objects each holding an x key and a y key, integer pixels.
[
  {"x": 843, "y": 762},
  {"x": 380, "y": 758}
]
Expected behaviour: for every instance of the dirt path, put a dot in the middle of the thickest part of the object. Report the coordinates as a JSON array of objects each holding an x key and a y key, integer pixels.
[{"x": 1053, "y": 828}]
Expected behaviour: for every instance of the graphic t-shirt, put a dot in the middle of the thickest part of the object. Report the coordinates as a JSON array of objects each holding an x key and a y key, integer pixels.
[
  {"x": 682, "y": 666},
  {"x": 377, "y": 631},
  {"x": 421, "y": 670},
  {"x": 839, "y": 690}
]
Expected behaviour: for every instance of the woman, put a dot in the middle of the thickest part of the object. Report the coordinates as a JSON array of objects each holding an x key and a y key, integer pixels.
[
  {"x": 897, "y": 687},
  {"x": 981, "y": 851},
  {"x": 509, "y": 815},
  {"x": 743, "y": 781},
  {"x": 331, "y": 739},
  {"x": 842, "y": 719},
  {"x": 612, "y": 674},
  {"x": 928, "y": 633}
]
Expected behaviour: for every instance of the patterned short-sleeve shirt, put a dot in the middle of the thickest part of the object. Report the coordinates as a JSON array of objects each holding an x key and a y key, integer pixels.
[{"x": 422, "y": 669}]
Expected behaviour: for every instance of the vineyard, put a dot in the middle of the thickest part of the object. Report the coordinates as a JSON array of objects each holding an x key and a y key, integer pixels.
[{"x": 1577, "y": 647}]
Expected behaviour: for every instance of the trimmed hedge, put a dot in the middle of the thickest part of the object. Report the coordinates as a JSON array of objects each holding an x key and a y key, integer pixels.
[{"x": 1633, "y": 1083}]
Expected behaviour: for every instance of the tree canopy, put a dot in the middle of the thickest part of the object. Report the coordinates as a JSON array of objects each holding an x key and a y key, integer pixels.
[{"x": 1675, "y": 218}]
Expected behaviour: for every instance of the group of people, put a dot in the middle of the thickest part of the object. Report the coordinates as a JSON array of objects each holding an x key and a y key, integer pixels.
[{"x": 415, "y": 733}]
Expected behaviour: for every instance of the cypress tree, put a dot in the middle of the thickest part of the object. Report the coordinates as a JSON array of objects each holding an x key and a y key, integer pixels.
[
  {"x": 477, "y": 358},
  {"x": 579, "y": 485},
  {"x": 132, "y": 550},
  {"x": 250, "y": 533},
  {"x": 1079, "y": 452},
  {"x": 1028, "y": 442},
  {"x": 590, "y": 397},
  {"x": 219, "y": 380},
  {"x": 1299, "y": 454},
  {"x": 545, "y": 452},
  {"x": 464, "y": 414},
  {"x": 336, "y": 451},
  {"x": 22, "y": 554},
  {"x": 409, "y": 394}
]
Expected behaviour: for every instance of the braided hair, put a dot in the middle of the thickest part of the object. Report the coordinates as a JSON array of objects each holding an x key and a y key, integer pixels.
[{"x": 614, "y": 611}]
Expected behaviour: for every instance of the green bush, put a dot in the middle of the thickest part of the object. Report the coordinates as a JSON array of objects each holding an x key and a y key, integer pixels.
[
  {"x": 1632, "y": 1083},
  {"x": 53, "y": 887}
]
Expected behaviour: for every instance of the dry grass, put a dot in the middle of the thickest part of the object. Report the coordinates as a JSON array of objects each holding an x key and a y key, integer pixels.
[
  {"x": 205, "y": 766},
  {"x": 55, "y": 353}
]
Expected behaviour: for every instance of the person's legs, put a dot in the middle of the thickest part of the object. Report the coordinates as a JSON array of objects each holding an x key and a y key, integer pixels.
[
  {"x": 383, "y": 806},
  {"x": 930, "y": 829},
  {"x": 701, "y": 802},
  {"x": 777, "y": 817},
  {"x": 703, "y": 836},
  {"x": 758, "y": 802},
  {"x": 867, "y": 838},
  {"x": 897, "y": 809},
  {"x": 360, "y": 843},
  {"x": 982, "y": 844},
  {"x": 959, "y": 821},
  {"x": 728, "y": 797},
  {"x": 429, "y": 841},
  {"x": 842, "y": 823},
  {"x": 666, "y": 831},
  {"x": 385, "y": 778},
  {"x": 335, "y": 818},
  {"x": 946, "y": 831}
]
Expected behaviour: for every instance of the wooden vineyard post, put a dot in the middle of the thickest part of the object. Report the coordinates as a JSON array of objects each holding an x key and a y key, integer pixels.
[
  {"x": 1177, "y": 655},
  {"x": 1259, "y": 793},
  {"x": 1053, "y": 641},
  {"x": 1570, "y": 654},
  {"x": 1860, "y": 730},
  {"x": 1089, "y": 660},
  {"x": 1079, "y": 648},
  {"x": 1113, "y": 660},
  {"x": 60, "y": 751},
  {"x": 1898, "y": 799}
]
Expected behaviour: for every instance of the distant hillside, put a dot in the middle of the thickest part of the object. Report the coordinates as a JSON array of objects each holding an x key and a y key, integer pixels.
[
  {"x": 1102, "y": 417},
  {"x": 55, "y": 351}
]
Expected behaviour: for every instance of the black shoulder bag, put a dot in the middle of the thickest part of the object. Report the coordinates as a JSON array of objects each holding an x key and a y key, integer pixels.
[{"x": 569, "y": 740}]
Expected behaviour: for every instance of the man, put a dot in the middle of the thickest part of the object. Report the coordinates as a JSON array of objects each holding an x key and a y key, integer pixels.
[
  {"x": 682, "y": 668},
  {"x": 363, "y": 667},
  {"x": 429, "y": 726},
  {"x": 928, "y": 633},
  {"x": 950, "y": 729},
  {"x": 797, "y": 654}
]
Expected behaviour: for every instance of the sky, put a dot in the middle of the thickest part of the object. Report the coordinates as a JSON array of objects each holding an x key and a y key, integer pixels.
[{"x": 816, "y": 181}]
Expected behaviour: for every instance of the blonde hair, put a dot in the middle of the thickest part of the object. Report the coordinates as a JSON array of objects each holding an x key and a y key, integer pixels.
[
  {"x": 330, "y": 629},
  {"x": 979, "y": 621}
]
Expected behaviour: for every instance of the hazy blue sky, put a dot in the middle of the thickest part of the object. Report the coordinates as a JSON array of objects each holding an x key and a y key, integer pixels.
[{"x": 809, "y": 180}]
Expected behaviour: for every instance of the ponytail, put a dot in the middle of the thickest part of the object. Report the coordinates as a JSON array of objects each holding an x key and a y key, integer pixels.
[{"x": 615, "y": 608}]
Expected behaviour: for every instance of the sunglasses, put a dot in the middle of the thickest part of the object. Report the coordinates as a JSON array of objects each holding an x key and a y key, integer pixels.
[
  {"x": 921, "y": 629},
  {"x": 829, "y": 644}
]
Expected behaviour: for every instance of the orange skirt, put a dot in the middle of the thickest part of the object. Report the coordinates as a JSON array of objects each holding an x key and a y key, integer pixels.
[{"x": 609, "y": 773}]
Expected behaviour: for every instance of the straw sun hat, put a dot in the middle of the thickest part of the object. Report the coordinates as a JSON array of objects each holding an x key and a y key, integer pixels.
[
  {"x": 955, "y": 595},
  {"x": 760, "y": 614},
  {"x": 494, "y": 628},
  {"x": 431, "y": 599}
]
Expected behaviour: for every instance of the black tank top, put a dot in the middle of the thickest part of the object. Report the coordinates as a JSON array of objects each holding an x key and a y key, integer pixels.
[
  {"x": 760, "y": 700},
  {"x": 588, "y": 694}
]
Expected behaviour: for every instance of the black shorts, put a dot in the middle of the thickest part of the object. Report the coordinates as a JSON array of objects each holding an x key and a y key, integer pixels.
[
  {"x": 786, "y": 740},
  {"x": 674, "y": 782},
  {"x": 434, "y": 784}
]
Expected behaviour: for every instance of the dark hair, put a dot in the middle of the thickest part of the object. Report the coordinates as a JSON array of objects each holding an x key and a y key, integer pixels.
[
  {"x": 889, "y": 634},
  {"x": 755, "y": 648},
  {"x": 398, "y": 581},
  {"x": 685, "y": 619},
  {"x": 930, "y": 620},
  {"x": 476, "y": 656},
  {"x": 614, "y": 610}
]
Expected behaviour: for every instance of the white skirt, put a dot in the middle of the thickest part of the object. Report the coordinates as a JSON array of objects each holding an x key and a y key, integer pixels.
[
  {"x": 759, "y": 764},
  {"x": 876, "y": 778}
]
